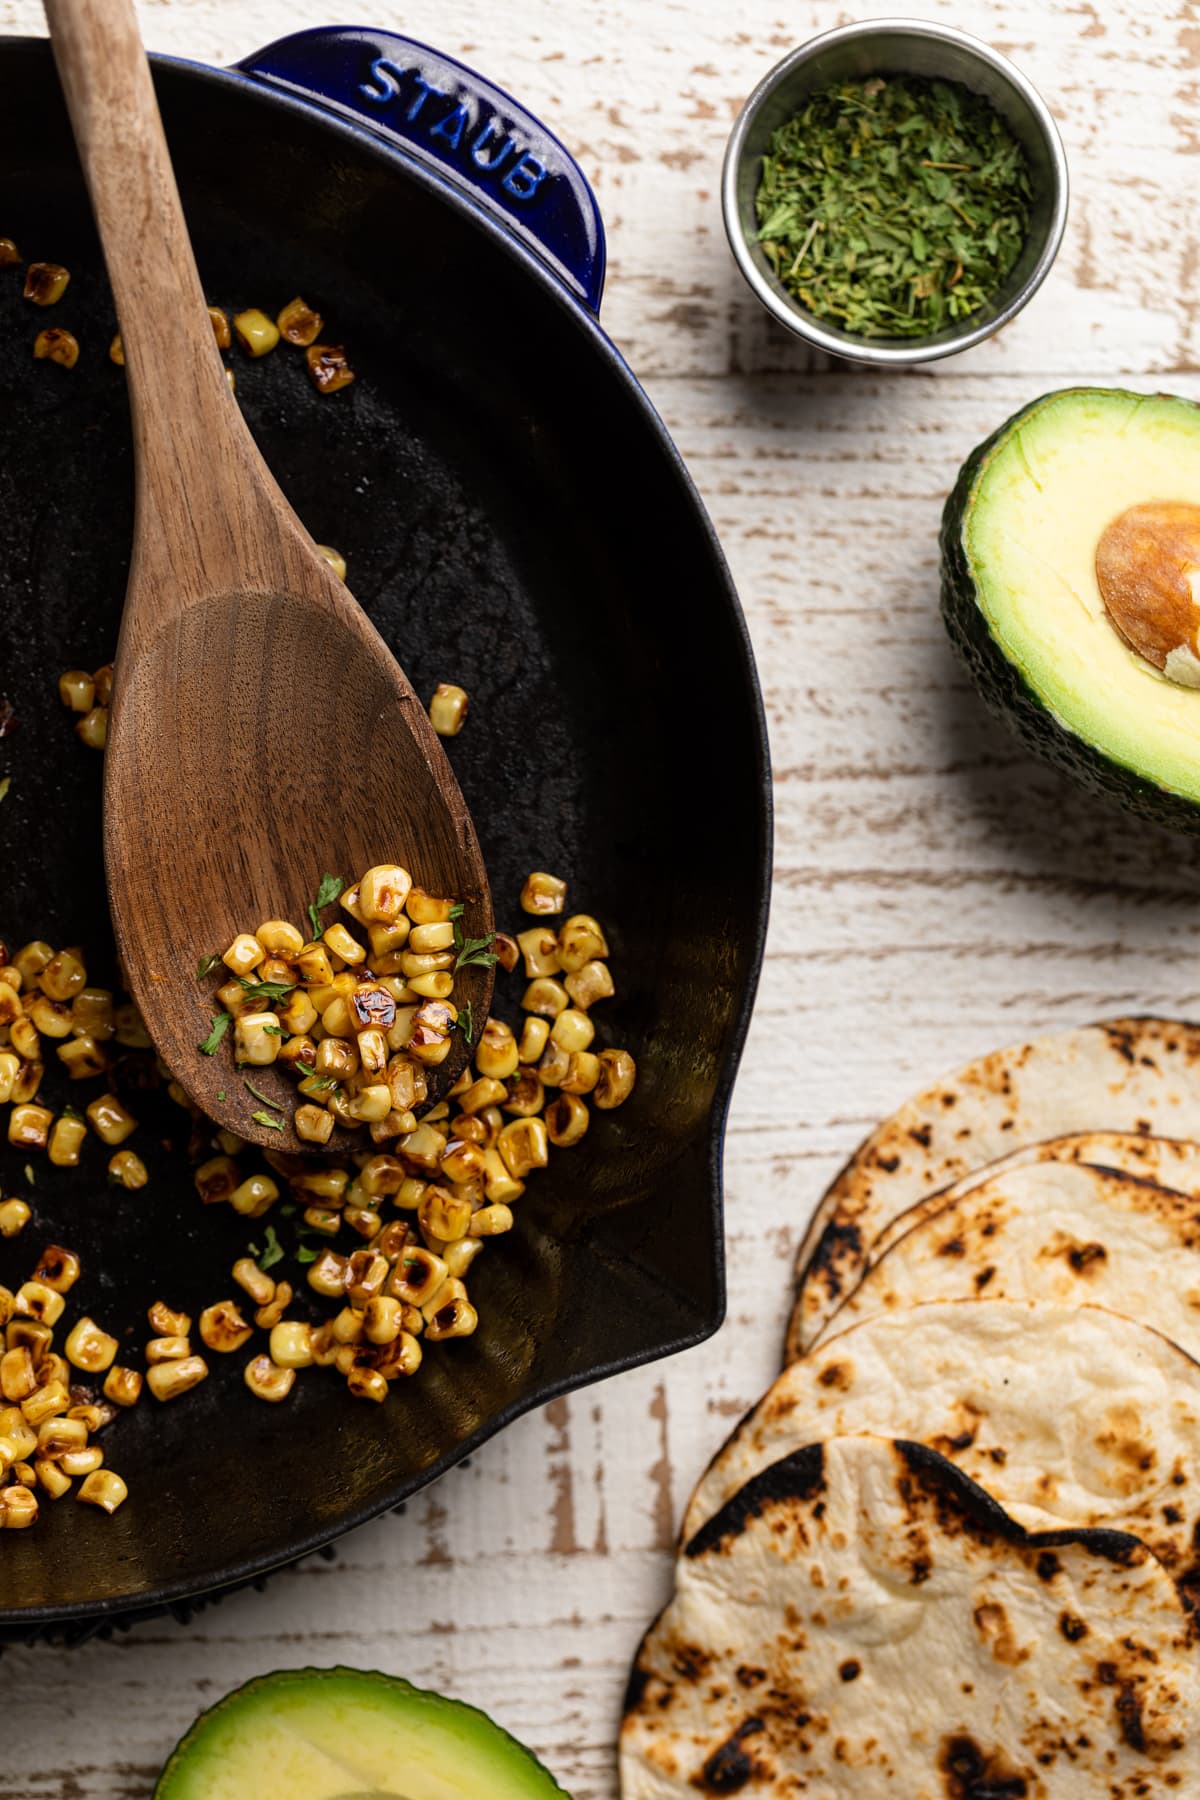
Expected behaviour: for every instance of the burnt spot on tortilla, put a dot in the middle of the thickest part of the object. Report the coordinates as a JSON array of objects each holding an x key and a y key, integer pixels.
[
  {"x": 984, "y": 1277},
  {"x": 1085, "y": 1258},
  {"x": 635, "y": 1688},
  {"x": 800, "y": 1476},
  {"x": 889, "y": 1164},
  {"x": 1129, "y": 1718},
  {"x": 952, "y": 1247},
  {"x": 971, "y": 1773},
  {"x": 1173, "y": 1516},
  {"x": 919, "y": 1570},
  {"x": 836, "y": 1375},
  {"x": 1048, "y": 1566},
  {"x": 749, "y": 1675},
  {"x": 850, "y": 1670},
  {"x": 921, "y": 1134},
  {"x": 730, "y": 1766},
  {"x": 1073, "y": 1628},
  {"x": 950, "y": 1446},
  {"x": 1188, "y": 1583},
  {"x": 840, "y": 1243},
  {"x": 1122, "y": 1043},
  {"x": 690, "y": 1662},
  {"x": 948, "y": 1100}
]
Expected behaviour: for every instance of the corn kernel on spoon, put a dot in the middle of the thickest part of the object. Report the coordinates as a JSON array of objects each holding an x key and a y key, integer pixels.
[{"x": 261, "y": 733}]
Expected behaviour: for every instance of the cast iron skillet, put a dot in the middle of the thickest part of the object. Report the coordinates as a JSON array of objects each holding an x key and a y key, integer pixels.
[{"x": 516, "y": 519}]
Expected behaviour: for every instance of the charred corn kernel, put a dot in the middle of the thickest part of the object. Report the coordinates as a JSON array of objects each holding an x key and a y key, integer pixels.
[
  {"x": 254, "y": 1196},
  {"x": 116, "y": 350},
  {"x": 10, "y": 1004},
  {"x": 546, "y": 997},
  {"x": 220, "y": 324},
  {"x": 256, "y": 333},
  {"x": 244, "y": 954},
  {"x": 432, "y": 1026},
  {"x": 60, "y": 1436},
  {"x": 408, "y": 1194},
  {"x": 554, "y": 1065},
  {"x": 66, "y": 1140},
  {"x": 300, "y": 1049},
  {"x": 496, "y": 1054},
  {"x": 328, "y": 367},
  {"x": 92, "y": 1014},
  {"x": 366, "y": 1273},
  {"x": 110, "y": 1120},
  {"x": 462, "y": 1162},
  {"x": 77, "y": 690},
  {"x": 280, "y": 938},
  {"x": 10, "y": 1068},
  {"x": 45, "y": 1402},
  {"x": 448, "y": 709},
  {"x": 367, "y": 1384},
  {"x": 89, "y": 1347},
  {"x": 274, "y": 969},
  {"x": 401, "y": 1359},
  {"x": 8, "y": 252},
  {"x": 34, "y": 1300},
  {"x": 523, "y": 1145},
  {"x": 269, "y": 1315},
  {"x": 444, "y": 1215},
  {"x": 31, "y": 1335},
  {"x": 349, "y": 897},
  {"x": 423, "y": 1148},
  {"x": 373, "y": 1055},
  {"x": 165, "y": 1321},
  {"x": 50, "y": 1017},
  {"x": 51, "y": 1479},
  {"x": 256, "y": 1039},
  {"x": 18, "y": 1508},
  {"x": 17, "y": 1377},
  {"x": 583, "y": 1072},
  {"x": 336, "y": 1059},
  {"x": 7, "y": 1303},
  {"x": 438, "y": 985},
  {"x": 543, "y": 893},
  {"x": 388, "y": 937},
  {"x": 52, "y": 1367},
  {"x": 418, "y": 1274},
  {"x": 23, "y": 1036},
  {"x": 29, "y": 1127},
  {"x": 431, "y": 940},
  {"x": 313, "y": 965},
  {"x": 426, "y": 908},
  {"x": 298, "y": 323},
  {"x": 363, "y": 1220},
  {"x": 167, "y": 1349},
  {"x": 535, "y": 1034},
  {"x": 126, "y": 1169},
  {"x": 217, "y": 1179},
  {"x": 103, "y": 1488},
  {"x": 313, "y": 1125},
  {"x": 587, "y": 985},
  {"x": 103, "y": 678},
  {"x": 299, "y": 1015},
  {"x": 456, "y": 1318},
  {"x": 383, "y": 893},
  {"x": 348, "y": 1326},
  {"x": 383, "y": 1317},
  {"x": 334, "y": 558},
  {"x": 131, "y": 1028},
  {"x": 45, "y": 283},
  {"x": 539, "y": 947},
  {"x": 526, "y": 1095},
  {"x": 81, "y": 1462},
  {"x": 406, "y": 1083},
  {"x": 291, "y": 1344},
  {"x": 394, "y": 1238},
  {"x": 92, "y": 729},
  {"x": 83, "y": 1058},
  {"x": 618, "y": 1073},
  {"x": 29, "y": 1080},
  {"x": 94, "y": 1414},
  {"x": 31, "y": 959},
  {"x": 381, "y": 1175},
  {"x": 499, "y": 1183},
  {"x": 223, "y": 1327},
  {"x": 16, "y": 1442},
  {"x": 580, "y": 941},
  {"x": 56, "y": 345},
  {"x": 566, "y": 1121},
  {"x": 267, "y": 1381},
  {"x": 324, "y": 1346},
  {"x": 251, "y": 1279},
  {"x": 14, "y": 1217},
  {"x": 469, "y": 1129},
  {"x": 328, "y": 1185},
  {"x": 572, "y": 1031},
  {"x": 63, "y": 977},
  {"x": 328, "y": 1275},
  {"x": 491, "y": 1221},
  {"x": 459, "y": 1256},
  {"x": 338, "y": 941},
  {"x": 167, "y": 1380},
  {"x": 123, "y": 1386},
  {"x": 371, "y": 1103},
  {"x": 485, "y": 1092}
]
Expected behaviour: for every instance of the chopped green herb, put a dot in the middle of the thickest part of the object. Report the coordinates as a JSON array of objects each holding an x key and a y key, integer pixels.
[
  {"x": 221, "y": 1095},
  {"x": 466, "y": 1021},
  {"x": 270, "y": 1254},
  {"x": 4, "y": 787},
  {"x": 305, "y": 1069},
  {"x": 331, "y": 889},
  {"x": 206, "y": 965},
  {"x": 477, "y": 951},
  {"x": 306, "y": 1254},
  {"x": 29, "y": 1175},
  {"x": 259, "y": 1095},
  {"x": 265, "y": 990},
  {"x": 458, "y": 909},
  {"x": 68, "y": 1112},
  {"x": 272, "y": 1031},
  {"x": 287, "y": 1209},
  {"x": 264, "y": 1118},
  {"x": 220, "y": 1025},
  {"x": 891, "y": 208}
]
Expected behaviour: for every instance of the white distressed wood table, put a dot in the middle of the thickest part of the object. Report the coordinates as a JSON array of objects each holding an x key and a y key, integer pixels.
[{"x": 936, "y": 893}]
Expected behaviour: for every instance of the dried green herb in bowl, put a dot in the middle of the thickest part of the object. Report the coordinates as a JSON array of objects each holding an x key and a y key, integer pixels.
[{"x": 895, "y": 206}]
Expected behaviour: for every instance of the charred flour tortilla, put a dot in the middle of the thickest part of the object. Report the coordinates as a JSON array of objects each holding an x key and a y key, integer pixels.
[
  {"x": 1125, "y": 1075},
  {"x": 1068, "y": 1416},
  {"x": 862, "y": 1621},
  {"x": 1051, "y": 1231}
]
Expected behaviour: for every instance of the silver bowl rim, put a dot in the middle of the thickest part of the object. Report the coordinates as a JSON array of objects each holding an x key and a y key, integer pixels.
[{"x": 888, "y": 353}]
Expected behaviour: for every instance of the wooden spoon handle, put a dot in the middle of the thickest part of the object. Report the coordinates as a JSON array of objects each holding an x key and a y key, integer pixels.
[{"x": 186, "y": 425}]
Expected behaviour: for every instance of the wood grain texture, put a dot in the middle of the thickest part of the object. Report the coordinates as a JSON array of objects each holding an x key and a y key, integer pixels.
[
  {"x": 937, "y": 894},
  {"x": 214, "y": 820}
]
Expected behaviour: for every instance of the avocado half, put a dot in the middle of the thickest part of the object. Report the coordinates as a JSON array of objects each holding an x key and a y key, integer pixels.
[
  {"x": 1023, "y": 607},
  {"x": 347, "y": 1734}
]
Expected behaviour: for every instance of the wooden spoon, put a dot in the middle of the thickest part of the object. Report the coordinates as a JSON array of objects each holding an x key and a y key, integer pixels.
[{"x": 262, "y": 733}]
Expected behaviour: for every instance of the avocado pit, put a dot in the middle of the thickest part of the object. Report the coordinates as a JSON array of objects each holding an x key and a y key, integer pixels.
[{"x": 1148, "y": 571}]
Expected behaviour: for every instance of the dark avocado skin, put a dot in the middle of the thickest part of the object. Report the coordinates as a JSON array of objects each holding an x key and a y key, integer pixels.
[{"x": 1002, "y": 686}]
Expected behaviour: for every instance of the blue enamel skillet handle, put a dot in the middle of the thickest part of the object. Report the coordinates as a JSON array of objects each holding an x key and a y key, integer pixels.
[{"x": 459, "y": 124}]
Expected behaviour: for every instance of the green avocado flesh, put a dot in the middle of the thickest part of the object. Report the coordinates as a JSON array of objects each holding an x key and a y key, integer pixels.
[
  {"x": 1020, "y": 595},
  {"x": 345, "y": 1734}
]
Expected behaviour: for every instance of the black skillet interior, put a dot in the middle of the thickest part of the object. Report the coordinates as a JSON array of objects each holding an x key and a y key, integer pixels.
[{"x": 513, "y": 520}]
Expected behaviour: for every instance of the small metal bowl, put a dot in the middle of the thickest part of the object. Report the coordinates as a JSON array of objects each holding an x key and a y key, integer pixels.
[{"x": 896, "y": 47}]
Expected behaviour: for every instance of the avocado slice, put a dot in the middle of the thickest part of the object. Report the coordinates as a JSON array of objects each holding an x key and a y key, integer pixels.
[
  {"x": 348, "y": 1734},
  {"x": 1023, "y": 604}
]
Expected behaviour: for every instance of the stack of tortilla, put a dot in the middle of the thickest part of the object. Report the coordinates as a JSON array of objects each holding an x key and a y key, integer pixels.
[{"x": 954, "y": 1552}]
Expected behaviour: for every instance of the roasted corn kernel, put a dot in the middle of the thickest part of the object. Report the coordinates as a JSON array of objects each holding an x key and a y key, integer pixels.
[
  {"x": 539, "y": 948},
  {"x": 267, "y": 1381},
  {"x": 29, "y": 1126},
  {"x": 34, "y": 1300},
  {"x": 298, "y": 323},
  {"x": 256, "y": 333},
  {"x": 18, "y": 1508},
  {"x": 523, "y": 1145},
  {"x": 111, "y": 1122},
  {"x": 254, "y": 1196},
  {"x": 328, "y": 367},
  {"x": 543, "y": 893},
  {"x": 66, "y": 1140},
  {"x": 54, "y": 344},
  {"x": 618, "y": 1072},
  {"x": 448, "y": 709},
  {"x": 167, "y": 1380},
  {"x": 566, "y": 1121},
  {"x": 92, "y": 729},
  {"x": 126, "y": 1169},
  {"x": 123, "y": 1386},
  {"x": 103, "y": 1488},
  {"x": 14, "y": 1217},
  {"x": 45, "y": 283},
  {"x": 77, "y": 690}
]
